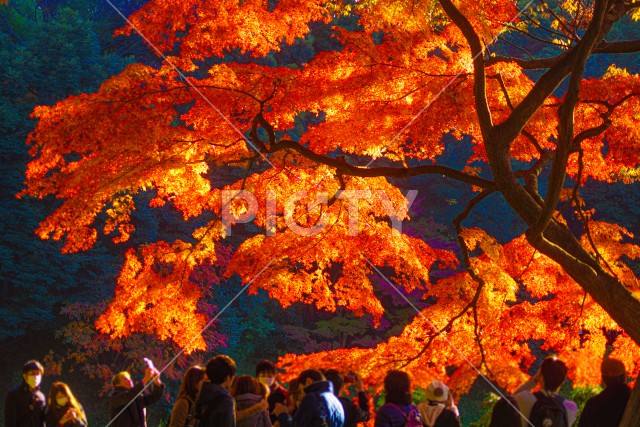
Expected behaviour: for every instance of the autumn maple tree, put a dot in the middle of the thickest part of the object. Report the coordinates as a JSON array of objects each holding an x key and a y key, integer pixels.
[{"x": 409, "y": 73}]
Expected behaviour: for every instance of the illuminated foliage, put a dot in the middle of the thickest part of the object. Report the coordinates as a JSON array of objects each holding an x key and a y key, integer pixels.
[{"x": 149, "y": 130}]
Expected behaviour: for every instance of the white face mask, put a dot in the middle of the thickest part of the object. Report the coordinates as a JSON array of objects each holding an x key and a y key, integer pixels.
[
  {"x": 268, "y": 381},
  {"x": 33, "y": 380},
  {"x": 62, "y": 401}
]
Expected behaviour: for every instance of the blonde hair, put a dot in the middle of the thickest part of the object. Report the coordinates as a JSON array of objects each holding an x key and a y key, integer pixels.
[
  {"x": 115, "y": 381},
  {"x": 60, "y": 387}
]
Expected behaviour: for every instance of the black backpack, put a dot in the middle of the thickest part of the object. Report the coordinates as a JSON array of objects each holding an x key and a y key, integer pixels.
[
  {"x": 192, "y": 420},
  {"x": 198, "y": 420},
  {"x": 548, "y": 411}
]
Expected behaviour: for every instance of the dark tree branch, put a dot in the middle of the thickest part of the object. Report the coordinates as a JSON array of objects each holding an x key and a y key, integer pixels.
[
  {"x": 566, "y": 123},
  {"x": 624, "y": 46},
  {"x": 400, "y": 172},
  {"x": 531, "y": 177},
  {"x": 541, "y": 40},
  {"x": 583, "y": 217},
  {"x": 542, "y": 27},
  {"x": 525, "y": 51},
  {"x": 477, "y": 52}
]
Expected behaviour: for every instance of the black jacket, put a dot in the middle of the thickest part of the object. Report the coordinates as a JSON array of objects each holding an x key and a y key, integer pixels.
[
  {"x": 135, "y": 414},
  {"x": 354, "y": 414},
  {"x": 606, "y": 409},
  {"x": 277, "y": 395},
  {"x": 318, "y": 398},
  {"x": 24, "y": 408},
  {"x": 55, "y": 413},
  {"x": 215, "y": 407}
]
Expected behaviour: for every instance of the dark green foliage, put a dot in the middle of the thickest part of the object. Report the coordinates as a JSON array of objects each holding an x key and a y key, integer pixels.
[{"x": 42, "y": 61}]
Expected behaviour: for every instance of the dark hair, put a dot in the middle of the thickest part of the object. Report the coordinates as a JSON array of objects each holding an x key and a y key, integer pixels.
[
  {"x": 336, "y": 378},
  {"x": 554, "y": 371},
  {"x": 32, "y": 365},
  {"x": 504, "y": 413},
  {"x": 265, "y": 366},
  {"x": 314, "y": 374},
  {"x": 219, "y": 368},
  {"x": 245, "y": 384},
  {"x": 397, "y": 388},
  {"x": 190, "y": 381}
]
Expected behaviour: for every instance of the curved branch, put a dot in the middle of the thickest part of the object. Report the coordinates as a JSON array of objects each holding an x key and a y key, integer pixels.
[
  {"x": 588, "y": 133},
  {"x": 566, "y": 120},
  {"x": 624, "y": 46},
  {"x": 477, "y": 52},
  {"x": 401, "y": 172},
  {"x": 583, "y": 217},
  {"x": 476, "y": 297}
]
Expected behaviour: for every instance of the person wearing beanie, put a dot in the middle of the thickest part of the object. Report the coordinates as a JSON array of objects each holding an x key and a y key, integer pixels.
[
  {"x": 606, "y": 408},
  {"x": 25, "y": 405},
  {"x": 439, "y": 410}
]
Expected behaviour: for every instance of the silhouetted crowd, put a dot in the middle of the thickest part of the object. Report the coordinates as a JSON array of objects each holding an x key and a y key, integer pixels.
[{"x": 214, "y": 396}]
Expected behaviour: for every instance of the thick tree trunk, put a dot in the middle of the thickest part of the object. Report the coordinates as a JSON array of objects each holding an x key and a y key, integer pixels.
[
  {"x": 562, "y": 246},
  {"x": 550, "y": 237},
  {"x": 632, "y": 414}
]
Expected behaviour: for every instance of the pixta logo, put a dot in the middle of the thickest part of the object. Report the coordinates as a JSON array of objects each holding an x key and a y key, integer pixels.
[{"x": 351, "y": 197}]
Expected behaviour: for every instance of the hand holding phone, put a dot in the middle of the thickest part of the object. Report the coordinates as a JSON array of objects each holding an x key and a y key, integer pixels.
[{"x": 149, "y": 363}]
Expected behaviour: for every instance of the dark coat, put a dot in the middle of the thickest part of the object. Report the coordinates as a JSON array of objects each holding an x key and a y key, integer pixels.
[
  {"x": 354, "y": 414},
  {"x": 24, "y": 408},
  {"x": 389, "y": 416},
  {"x": 309, "y": 412},
  {"x": 606, "y": 409},
  {"x": 277, "y": 395},
  {"x": 215, "y": 407},
  {"x": 135, "y": 414},
  {"x": 55, "y": 413}
]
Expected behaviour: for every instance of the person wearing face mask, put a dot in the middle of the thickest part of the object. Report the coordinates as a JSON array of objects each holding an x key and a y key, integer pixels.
[
  {"x": 63, "y": 409},
  {"x": 266, "y": 374},
  {"x": 25, "y": 405}
]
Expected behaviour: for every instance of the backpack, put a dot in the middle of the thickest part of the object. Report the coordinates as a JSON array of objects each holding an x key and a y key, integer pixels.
[
  {"x": 412, "y": 419},
  {"x": 548, "y": 411},
  {"x": 192, "y": 420}
]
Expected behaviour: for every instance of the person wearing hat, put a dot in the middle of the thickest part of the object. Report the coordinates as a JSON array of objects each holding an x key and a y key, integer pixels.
[
  {"x": 606, "y": 409},
  {"x": 25, "y": 405},
  {"x": 439, "y": 410}
]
